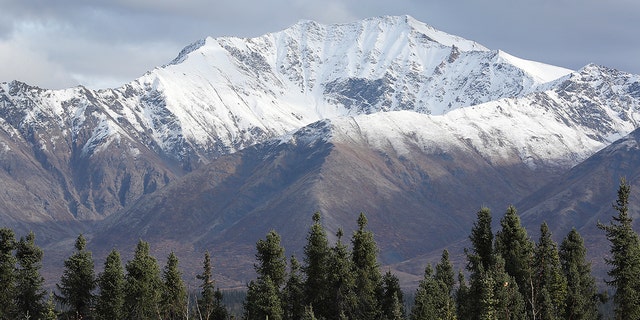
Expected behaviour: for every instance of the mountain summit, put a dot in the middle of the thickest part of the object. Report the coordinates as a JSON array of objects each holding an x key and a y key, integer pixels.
[{"x": 386, "y": 115}]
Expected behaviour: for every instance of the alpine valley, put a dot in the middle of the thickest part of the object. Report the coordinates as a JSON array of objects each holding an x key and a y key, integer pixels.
[{"x": 414, "y": 127}]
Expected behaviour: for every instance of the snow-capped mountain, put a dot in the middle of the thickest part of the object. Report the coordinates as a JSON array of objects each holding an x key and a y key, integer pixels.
[{"x": 421, "y": 112}]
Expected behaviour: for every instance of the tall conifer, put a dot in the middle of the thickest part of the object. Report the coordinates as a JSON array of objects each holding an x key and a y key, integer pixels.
[
  {"x": 581, "y": 302},
  {"x": 29, "y": 292},
  {"x": 625, "y": 257},
  {"x": 316, "y": 258},
  {"x": 173, "y": 299},
  {"x": 77, "y": 282},
  {"x": 366, "y": 272},
  {"x": 7, "y": 273},
  {"x": 143, "y": 285},
  {"x": 549, "y": 282},
  {"x": 111, "y": 286}
]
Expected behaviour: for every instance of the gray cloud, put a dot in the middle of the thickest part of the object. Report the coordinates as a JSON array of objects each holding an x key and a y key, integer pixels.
[{"x": 63, "y": 43}]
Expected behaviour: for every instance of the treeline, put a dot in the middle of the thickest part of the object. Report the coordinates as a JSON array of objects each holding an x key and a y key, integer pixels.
[
  {"x": 508, "y": 276},
  {"x": 140, "y": 290}
]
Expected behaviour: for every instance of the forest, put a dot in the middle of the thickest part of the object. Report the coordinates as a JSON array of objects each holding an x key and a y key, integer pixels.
[{"x": 506, "y": 276}]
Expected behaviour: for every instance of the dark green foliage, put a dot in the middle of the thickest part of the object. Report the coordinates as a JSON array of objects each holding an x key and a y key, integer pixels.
[
  {"x": 111, "y": 285},
  {"x": 29, "y": 292},
  {"x": 341, "y": 280},
  {"x": 462, "y": 295},
  {"x": 50, "y": 309},
  {"x": 549, "y": 283},
  {"x": 625, "y": 257},
  {"x": 293, "y": 293},
  {"x": 209, "y": 304},
  {"x": 445, "y": 278},
  {"x": 263, "y": 301},
  {"x": 77, "y": 282},
  {"x": 7, "y": 274},
  {"x": 366, "y": 272},
  {"x": 392, "y": 298},
  {"x": 316, "y": 257},
  {"x": 263, "y": 295},
  {"x": 509, "y": 302},
  {"x": 425, "y": 304},
  {"x": 143, "y": 285},
  {"x": 481, "y": 242},
  {"x": 513, "y": 244},
  {"x": 173, "y": 299},
  {"x": 271, "y": 259},
  {"x": 581, "y": 302},
  {"x": 479, "y": 261}
]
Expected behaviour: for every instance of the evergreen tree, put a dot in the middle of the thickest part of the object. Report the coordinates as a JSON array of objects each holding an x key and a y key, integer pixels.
[
  {"x": 174, "y": 293},
  {"x": 111, "y": 285},
  {"x": 29, "y": 293},
  {"x": 142, "y": 285},
  {"x": 210, "y": 305},
  {"x": 425, "y": 304},
  {"x": 462, "y": 296},
  {"x": 293, "y": 293},
  {"x": 549, "y": 282},
  {"x": 271, "y": 259},
  {"x": 625, "y": 257},
  {"x": 513, "y": 244},
  {"x": 366, "y": 272},
  {"x": 341, "y": 281},
  {"x": 581, "y": 302},
  {"x": 78, "y": 282},
  {"x": 50, "y": 309},
  {"x": 316, "y": 256},
  {"x": 479, "y": 261},
  {"x": 446, "y": 281},
  {"x": 392, "y": 298},
  {"x": 263, "y": 301},
  {"x": 509, "y": 302},
  {"x": 7, "y": 273},
  {"x": 263, "y": 295}
]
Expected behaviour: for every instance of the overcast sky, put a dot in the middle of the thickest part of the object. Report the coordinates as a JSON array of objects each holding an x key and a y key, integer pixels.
[{"x": 105, "y": 43}]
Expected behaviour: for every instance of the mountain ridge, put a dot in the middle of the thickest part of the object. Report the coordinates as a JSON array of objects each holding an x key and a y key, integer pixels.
[{"x": 387, "y": 110}]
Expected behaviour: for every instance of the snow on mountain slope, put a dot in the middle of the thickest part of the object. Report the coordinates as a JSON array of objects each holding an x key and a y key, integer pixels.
[
  {"x": 222, "y": 95},
  {"x": 228, "y": 93}
]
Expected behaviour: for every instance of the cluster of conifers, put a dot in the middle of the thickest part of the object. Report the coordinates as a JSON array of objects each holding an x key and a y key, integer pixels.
[{"x": 509, "y": 277}]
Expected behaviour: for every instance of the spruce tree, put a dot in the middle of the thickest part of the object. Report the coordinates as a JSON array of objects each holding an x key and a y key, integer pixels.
[
  {"x": 581, "y": 302},
  {"x": 549, "y": 282},
  {"x": 341, "y": 281},
  {"x": 271, "y": 259},
  {"x": 425, "y": 304},
  {"x": 263, "y": 300},
  {"x": 446, "y": 281},
  {"x": 515, "y": 247},
  {"x": 111, "y": 286},
  {"x": 462, "y": 296},
  {"x": 7, "y": 273},
  {"x": 143, "y": 285},
  {"x": 479, "y": 262},
  {"x": 625, "y": 257},
  {"x": 263, "y": 295},
  {"x": 210, "y": 305},
  {"x": 174, "y": 293},
  {"x": 392, "y": 298},
  {"x": 293, "y": 293},
  {"x": 366, "y": 272},
  {"x": 509, "y": 302},
  {"x": 77, "y": 282},
  {"x": 316, "y": 256},
  {"x": 29, "y": 293}
]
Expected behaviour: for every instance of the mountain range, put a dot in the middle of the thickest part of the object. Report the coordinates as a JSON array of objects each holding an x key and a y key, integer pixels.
[{"x": 388, "y": 116}]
